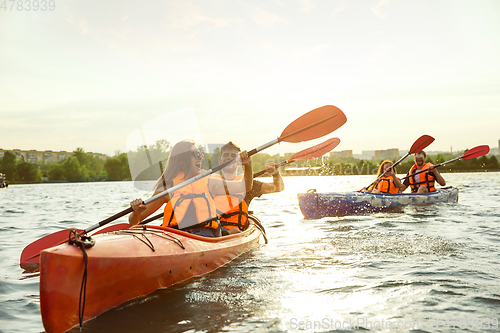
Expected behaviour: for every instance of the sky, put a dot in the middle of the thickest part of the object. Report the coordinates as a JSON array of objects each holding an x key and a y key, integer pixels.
[{"x": 90, "y": 73}]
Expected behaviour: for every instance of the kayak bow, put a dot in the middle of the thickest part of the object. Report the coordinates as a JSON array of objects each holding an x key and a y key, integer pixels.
[
  {"x": 317, "y": 205},
  {"x": 126, "y": 264}
]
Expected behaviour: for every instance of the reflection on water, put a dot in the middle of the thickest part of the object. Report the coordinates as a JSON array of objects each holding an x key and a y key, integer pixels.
[{"x": 429, "y": 262}]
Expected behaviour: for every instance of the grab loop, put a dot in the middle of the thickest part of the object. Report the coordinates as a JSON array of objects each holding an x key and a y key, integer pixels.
[
  {"x": 259, "y": 226},
  {"x": 80, "y": 240},
  {"x": 83, "y": 242}
]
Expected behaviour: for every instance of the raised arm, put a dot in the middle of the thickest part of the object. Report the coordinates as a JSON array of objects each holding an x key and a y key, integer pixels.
[
  {"x": 437, "y": 175},
  {"x": 277, "y": 185}
]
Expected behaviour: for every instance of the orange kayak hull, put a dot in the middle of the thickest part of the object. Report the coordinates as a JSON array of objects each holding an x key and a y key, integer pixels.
[{"x": 123, "y": 265}]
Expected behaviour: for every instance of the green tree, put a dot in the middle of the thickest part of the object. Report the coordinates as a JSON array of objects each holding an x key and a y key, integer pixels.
[
  {"x": 214, "y": 157},
  {"x": 72, "y": 169},
  {"x": 492, "y": 163},
  {"x": 81, "y": 156},
  {"x": 56, "y": 172},
  {"x": 8, "y": 165},
  {"x": 28, "y": 172},
  {"x": 117, "y": 167},
  {"x": 483, "y": 161}
]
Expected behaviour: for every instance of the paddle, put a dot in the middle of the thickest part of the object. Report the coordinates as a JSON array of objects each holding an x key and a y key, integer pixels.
[
  {"x": 306, "y": 154},
  {"x": 419, "y": 144},
  {"x": 471, "y": 153},
  {"x": 312, "y": 125}
]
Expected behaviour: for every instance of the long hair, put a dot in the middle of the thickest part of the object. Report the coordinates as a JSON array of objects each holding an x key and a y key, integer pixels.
[
  {"x": 381, "y": 171},
  {"x": 381, "y": 168},
  {"x": 179, "y": 160}
]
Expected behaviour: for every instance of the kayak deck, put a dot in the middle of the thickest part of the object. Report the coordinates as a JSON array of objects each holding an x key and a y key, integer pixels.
[
  {"x": 318, "y": 205},
  {"x": 123, "y": 265}
]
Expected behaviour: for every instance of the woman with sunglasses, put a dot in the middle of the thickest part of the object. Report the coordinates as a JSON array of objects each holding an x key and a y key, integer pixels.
[
  {"x": 190, "y": 207},
  {"x": 424, "y": 181}
]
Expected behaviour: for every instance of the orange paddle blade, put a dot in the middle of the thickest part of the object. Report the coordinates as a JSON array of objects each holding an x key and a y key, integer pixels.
[
  {"x": 314, "y": 124},
  {"x": 30, "y": 256},
  {"x": 315, "y": 151},
  {"x": 476, "y": 152},
  {"x": 421, "y": 143}
]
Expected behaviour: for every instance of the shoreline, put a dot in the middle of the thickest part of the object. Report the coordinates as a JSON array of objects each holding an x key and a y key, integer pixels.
[{"x": 283, "y": 175}]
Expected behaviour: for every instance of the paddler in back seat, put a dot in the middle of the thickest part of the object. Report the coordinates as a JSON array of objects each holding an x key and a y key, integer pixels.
[
  {"x": 424, "y": 181},
  {"x": 191, "y": 205},
  {"x": 232, "y": 209}
]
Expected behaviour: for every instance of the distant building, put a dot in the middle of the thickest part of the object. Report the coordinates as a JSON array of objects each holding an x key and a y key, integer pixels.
[
  {"x": 341, "y": 154},
  {"x": 496, "y": 150},
  {"x": 366, "y": 155},
  {"x": 387, "y": 154},
  {"x": 48, "y": 156}
]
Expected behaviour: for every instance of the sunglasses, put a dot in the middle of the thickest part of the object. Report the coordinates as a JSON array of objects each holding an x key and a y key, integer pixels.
[
  {"x": 198, "y": 154},
  {"x": 420, "y": 155}
]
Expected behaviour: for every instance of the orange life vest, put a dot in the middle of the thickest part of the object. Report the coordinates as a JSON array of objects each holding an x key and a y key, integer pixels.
[
  {"x": 232, "y": 208},
  {"x": 424, "y": 178},
  {"x": 386, "y": 185},
  {"x": 196, "y": 193}
]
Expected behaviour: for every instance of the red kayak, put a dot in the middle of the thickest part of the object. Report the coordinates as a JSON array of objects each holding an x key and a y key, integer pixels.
[{"x": 122, "y": 265}]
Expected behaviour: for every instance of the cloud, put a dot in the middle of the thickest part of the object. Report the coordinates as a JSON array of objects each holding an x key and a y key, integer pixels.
[
  {"x": 266, "y": 19},
  {"x": 339, "y": 8},
  {"x": 83, "y": 25},
  {"x": 185, "y": 15},
  {"x": 377, "y": 10},
  {"x": 307, "y": 5}
]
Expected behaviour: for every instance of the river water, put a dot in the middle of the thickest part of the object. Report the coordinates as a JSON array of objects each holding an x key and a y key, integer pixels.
[{"x": 430, "y": 268}]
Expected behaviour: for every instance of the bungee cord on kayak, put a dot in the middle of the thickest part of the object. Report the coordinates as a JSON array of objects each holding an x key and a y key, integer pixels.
[
  {"x": 144, "y": 232},
  {"x": 82, "y": 242}
]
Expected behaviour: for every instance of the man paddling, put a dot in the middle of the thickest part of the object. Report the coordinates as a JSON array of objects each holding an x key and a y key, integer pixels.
[
  {"x": 422, "y": 182},
  {"x": 233, "y": 208}
]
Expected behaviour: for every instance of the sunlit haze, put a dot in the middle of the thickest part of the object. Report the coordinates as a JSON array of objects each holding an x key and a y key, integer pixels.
[{"x": 88, "y": 73}]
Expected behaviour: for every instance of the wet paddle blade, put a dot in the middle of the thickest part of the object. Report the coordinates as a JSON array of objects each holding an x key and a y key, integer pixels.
[
  {"x": 314, "y": 124},
  {"x": 315, "y": 151},
  {"x": 30, "y": 256},
  {"x": 421, "y": 143},
  {"x": 307, "y": 154},
  {"x": 476, "y": 152}
]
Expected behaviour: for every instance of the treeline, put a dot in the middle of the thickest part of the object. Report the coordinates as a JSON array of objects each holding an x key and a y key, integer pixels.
[
  {"x": 362, "y": 167},
  {"x": 81, "y": 167}
]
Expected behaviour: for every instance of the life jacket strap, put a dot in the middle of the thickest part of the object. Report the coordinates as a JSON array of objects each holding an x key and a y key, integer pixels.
[{"x": 191, "y": 196}]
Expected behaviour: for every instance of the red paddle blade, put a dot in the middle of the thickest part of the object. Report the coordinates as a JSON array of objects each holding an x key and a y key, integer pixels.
[
  {"x": 114, "y": 227},
  {"x": 314, "y": 124},
  {"x": 476, "y": 152},
  {"x": 421, "y": 143},
  {"x": 30, "y": 257},
  {"x": 315, "y": 151}
]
